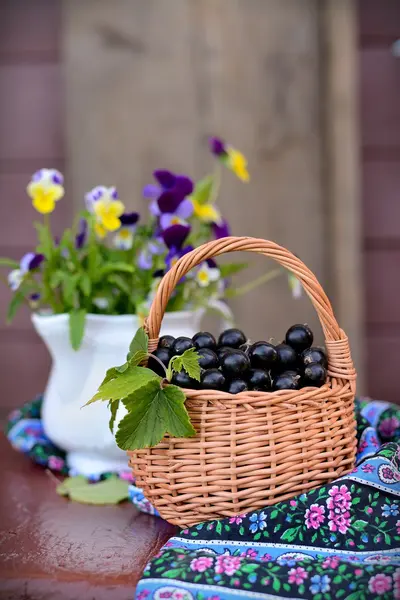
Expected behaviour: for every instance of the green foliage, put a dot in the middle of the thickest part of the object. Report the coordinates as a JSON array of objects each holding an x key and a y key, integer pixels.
[
  {"x": 113, "y": 406},
  {"x": 227, "y": 270},
  {"x": 76, "y": 327},
  {"x": 203, "y": 189},
  {"x": 16, "y": 301},
  {"x": 140, "y": 342},
  {"x": 7, "y": 262},
  {"x": 152, "y": 412},
  {"x": 124, "y": 384},
  {"x": 110, "y": 491},
  {"x": 189, "y": 361}
]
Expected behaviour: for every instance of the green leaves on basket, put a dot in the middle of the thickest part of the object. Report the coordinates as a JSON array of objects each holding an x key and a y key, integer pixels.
[
  {"x": 110, "y": 491},
  {"x": 153, "y": 408},
  {"x": 152, "y": 412},
  {"x": 188, "y": 361},
  {"x": 124, "y": 384}
]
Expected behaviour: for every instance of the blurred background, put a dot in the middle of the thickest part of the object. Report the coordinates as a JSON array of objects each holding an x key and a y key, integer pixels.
[{"x": 108, "y": 90}]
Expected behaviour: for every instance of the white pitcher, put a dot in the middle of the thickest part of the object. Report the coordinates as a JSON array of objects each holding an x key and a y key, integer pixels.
[{"x": 75, "y": 377}]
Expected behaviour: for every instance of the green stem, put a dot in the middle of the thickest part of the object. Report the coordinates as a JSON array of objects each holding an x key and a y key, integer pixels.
[
  {"x": 216, "y": 183},
  {"x": 248, "y": 287}
]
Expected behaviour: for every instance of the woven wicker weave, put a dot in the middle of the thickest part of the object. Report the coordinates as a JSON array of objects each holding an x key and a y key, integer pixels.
[{"x": 254, "y": 448}]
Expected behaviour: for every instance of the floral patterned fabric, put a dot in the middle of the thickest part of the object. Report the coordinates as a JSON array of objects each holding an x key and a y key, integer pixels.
[{"x": 341, "y": 540}]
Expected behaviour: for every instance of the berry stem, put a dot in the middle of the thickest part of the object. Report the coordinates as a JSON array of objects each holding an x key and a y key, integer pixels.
[{"x": 159, "y": 361}]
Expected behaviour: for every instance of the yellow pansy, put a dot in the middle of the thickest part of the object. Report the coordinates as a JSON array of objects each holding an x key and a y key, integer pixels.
[
  {"x": 99, "y": 230},
  {"x": 206, "y": 212},
  {"x": 108, "y": 212},
  {"x": 45, "y": 189},
  {"x": 237, "y": 163}
]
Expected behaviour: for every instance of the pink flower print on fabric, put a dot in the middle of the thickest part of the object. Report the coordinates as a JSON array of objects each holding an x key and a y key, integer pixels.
[
  {"x": 228, "y": 564},
  {"x": 314, "y": 516}
]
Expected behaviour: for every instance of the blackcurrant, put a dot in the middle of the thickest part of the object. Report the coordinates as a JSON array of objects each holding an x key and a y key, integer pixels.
[
  {"x": 287, "y": 357},
  {"x": 289, "y": 380},
  {"x": 212, "y": 379},
  {"x": 262, "y": 355},
  {"x": 232, "y": 338},
  {"x": 181, "y": 344},
  {"x": 234, "y": 364},
  {"x": 299, "y": 337},
  {"x": 208, "y": 359},
  {"x": 223, "y": 351},
  {"x": 203, "y": 339},
  {"x": 183, "y": 380},
  {"x": 259, "y": 380},
  {"x": 314, "y": 375},
  {"x": 314, "y": 355},
  {"x": 166, "y": 341},
  {"x": 236, "y": 386},
  {"x": 163, "y": 354}
]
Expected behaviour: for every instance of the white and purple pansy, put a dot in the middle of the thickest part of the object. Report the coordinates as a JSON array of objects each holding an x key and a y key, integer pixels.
[
  {"x": 29, "y": 262},
  {"x": 123, "y": 239},
  {"x": 207, "y": 273}
]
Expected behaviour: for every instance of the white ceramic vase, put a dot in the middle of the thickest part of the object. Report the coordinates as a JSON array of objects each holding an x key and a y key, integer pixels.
[{"x": 75, "y": 377}]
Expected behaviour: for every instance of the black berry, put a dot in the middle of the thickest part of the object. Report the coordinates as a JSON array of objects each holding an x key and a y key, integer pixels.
[
  {"x": 232, "y": 338},
  {"x": 223, "y": 351},
  {"x": 183, "y": 380},
  {"x": 208, "y": 359},
  {"x": 203, "y": 339},
  {"x": 314, "y": 375},
  {"x": 287, "y": 357},
  {"x": 236, "y": 386},
  {"x": 259, "y": 380},
  {"x": 181, "y": 344},
  {"x": 289, "y": 380},
  {"x": 163, "y": 354},
  {"x": 234, "y": 364},
  {"x": 262, "y": 355},
  {"x": 166, "y": 341},
  {"x": 299, "y": 337},
  {"x": 213, "y": 380},
  {"x": 314, "y": 355}
]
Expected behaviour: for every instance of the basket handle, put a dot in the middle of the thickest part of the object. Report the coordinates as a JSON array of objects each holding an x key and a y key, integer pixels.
[{"x": 215, "y": 248}]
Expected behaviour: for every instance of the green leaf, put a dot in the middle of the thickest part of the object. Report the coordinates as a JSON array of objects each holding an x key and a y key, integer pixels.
[
  {"x": 110, "y": 491},
  {"x": 139, "y": 342},
  {"x": 120, "y": 283},
  {"x": 257, "y": 536},
  {"x": 290, "y": 534},
  {"x": 203, "y": 189},
  {"x": 218, "y": 528},
  {"x": 76, "y": 327},
  {"x": 286, "y": 587},
  {"x": 189, "y": 361},
  {"x": 360, "y": 525},
  {"x": 227, "y": 270},
  {"x": 153, "y": 412},
  {"x": 355, "y": 501},
  {"x": 276, "y": 584},
  {"x": 16, "y": 301},
  {"x": 126, "y": 383},
  {"x": 113, "y": 406},
  {"x": 302, "y": 588},
  {"x": 274, "y": 514},
  {"x": 8, "y": 262},
  {"x": 69, "y": 484},
  {"x": 342, "y": 568},
  {"x": 56, "y": 279},
  {"x": 69, "y": 285},
  {"x": 85, "y": 284},
  {"x": 113, "y": 267},
  {"x": 337, "y": 579},
  {"x": 45, "y": 239}
]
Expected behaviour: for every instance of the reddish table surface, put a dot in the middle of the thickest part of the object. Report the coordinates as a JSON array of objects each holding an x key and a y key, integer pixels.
[{"x": 51, "y": 548}]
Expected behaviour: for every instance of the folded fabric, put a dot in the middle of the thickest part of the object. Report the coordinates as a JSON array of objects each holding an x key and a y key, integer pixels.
[{"x": 341, "y": 540}]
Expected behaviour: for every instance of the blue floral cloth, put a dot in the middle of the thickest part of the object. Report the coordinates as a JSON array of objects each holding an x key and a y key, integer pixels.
[{"x": 341, "y": 540}]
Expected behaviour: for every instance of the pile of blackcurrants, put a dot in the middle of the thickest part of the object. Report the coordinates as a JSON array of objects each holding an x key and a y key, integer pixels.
[{"x": 233, "y": 364}]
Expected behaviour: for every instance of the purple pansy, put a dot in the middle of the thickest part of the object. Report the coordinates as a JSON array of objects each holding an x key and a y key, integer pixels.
[
  {"x": 31, "y": 261},
  {"x": 175, "y": 254},
  {"x": 80, "y": 237},
  {"x": 217, "y": 146},
  {"x": 221, "y": 229},
  {"x": 169, "y": 197},
  {"x": 175, "y": 235},
  {"x": 129, "y": 219}
]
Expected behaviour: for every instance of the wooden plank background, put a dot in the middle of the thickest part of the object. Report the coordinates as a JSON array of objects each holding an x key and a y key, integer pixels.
[
  {"x": 380, "y": 125},
  {"x": 31, "y": 137}
]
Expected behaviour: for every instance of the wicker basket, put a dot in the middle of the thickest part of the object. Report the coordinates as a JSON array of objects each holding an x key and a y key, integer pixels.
[{"x": 252, "y": 449}]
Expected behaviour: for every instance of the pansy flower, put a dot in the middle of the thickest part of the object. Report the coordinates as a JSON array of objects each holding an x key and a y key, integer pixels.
[
  {"x": 221, "y": 229},
  {"x": 234, "y": 160},
  {"x": 81, "y": 236},
  {"x": 45, "y": 189},
  {"x": 169, "y": 198},
  {"x": 207, "y": 274},
  {"x": 104, "y": 203},
  {"x": 29, "y": 262},
  {"x": 124, "y": 236}
]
